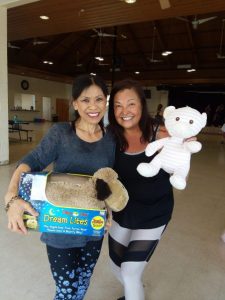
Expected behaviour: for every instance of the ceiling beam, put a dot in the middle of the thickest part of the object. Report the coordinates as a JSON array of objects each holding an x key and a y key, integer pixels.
[{"x": 176, "y": 76}]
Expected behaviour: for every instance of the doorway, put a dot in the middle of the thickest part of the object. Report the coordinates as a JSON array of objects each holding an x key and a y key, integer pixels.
[{"x": 62, "y": 110}]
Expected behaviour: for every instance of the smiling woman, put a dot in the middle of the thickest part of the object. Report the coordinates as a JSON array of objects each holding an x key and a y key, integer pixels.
[
  {"x": 80, "y": 147},
  {"x": 90, "y": 106},
  {"x": 137, "y": 229},
  {"x": 127, "y": 108}
]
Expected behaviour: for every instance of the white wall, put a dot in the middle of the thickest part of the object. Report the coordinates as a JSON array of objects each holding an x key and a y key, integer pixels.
[
  {"x": 157, "y": 97},
  {"x": 40, "y": 88},
  {"x": 4, "y": 144},
  {"x": 44, "y": 88}
]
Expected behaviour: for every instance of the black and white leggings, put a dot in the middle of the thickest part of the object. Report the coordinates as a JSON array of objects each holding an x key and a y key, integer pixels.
[
  {"x": 129, "y": 251},
  {"x": 72, "y": 269}
]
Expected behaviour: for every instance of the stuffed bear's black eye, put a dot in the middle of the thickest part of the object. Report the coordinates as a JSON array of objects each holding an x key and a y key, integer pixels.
[
  {"x": 177, "y": 118},
  {"x": 191, "y": 121}
]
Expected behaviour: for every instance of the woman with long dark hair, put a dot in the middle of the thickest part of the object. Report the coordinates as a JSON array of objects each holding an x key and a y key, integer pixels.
[{"x": 137, "y": 229}]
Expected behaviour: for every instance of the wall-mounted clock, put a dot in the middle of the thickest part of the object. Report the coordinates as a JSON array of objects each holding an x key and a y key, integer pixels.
[{"x": 24, "y": 84}]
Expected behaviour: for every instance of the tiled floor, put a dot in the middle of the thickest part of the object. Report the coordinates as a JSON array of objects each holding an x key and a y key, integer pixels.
[{"x": 189, "y": 263}]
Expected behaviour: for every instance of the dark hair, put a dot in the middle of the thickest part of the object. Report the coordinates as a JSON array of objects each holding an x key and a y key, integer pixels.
[
  {"x": 145, "y": 122},
  {"x": 83, "y": 82},
  {"x": 159, "y": 107}
]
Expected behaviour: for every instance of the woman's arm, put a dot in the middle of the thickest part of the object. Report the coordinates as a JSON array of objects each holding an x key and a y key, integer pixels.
[
  {"x": 40, "y": 157},
  {"x": 15, "y": 205},
  {"x": 108, "y": 223}
]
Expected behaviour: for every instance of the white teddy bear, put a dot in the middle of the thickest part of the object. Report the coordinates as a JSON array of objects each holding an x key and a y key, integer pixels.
[{"x": 175, "y": 156}]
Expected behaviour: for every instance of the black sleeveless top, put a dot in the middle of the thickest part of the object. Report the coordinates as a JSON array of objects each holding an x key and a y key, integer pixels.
[{"x": 151, "y": 200}]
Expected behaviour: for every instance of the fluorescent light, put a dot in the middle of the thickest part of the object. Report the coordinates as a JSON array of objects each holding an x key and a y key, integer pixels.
[
  {"x": 191, "y": 70},
  {"x": 99, "y": 58},
  {"x": 44, "y": 17},
  {"x": 166, "y": 53},
  {"x": 47, "y": 62},
  {"x": 130, "y": 1}
]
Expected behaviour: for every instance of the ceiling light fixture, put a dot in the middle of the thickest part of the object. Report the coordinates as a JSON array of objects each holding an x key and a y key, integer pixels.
[
  {"x": 81, "y": 11},
  {"x": 93, "y": 74},
  {"x": 47, "y": 62},
  {"x": 191, "y": 70},
  {"x": 44, "y": 17},
  {"x": 166, "y": 53},
  {"x": 137, "y": 72},
  {"x": 99, "y": 58},
  {"x": 123, "y": 36},
  {"x": 130, "y": 1}
]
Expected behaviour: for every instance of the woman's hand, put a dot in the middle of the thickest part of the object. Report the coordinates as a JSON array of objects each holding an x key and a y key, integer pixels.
[
  {"x": 15, "y": 215},
  {"x": 16, "y": 205}
]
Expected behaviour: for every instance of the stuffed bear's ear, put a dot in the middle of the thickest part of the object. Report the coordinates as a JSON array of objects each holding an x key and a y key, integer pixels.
[
  {"x": 204, "y": 119},
  {"x": 168, "y": 110},
  {"x": 102, "y": 189}
]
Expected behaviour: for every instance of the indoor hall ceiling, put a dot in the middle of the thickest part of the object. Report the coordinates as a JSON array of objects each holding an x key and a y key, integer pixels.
[{"x": 77, "y": 32}]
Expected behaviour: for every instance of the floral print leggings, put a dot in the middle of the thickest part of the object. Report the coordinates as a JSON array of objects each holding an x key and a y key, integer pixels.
[{"x": 72, "y": 269}]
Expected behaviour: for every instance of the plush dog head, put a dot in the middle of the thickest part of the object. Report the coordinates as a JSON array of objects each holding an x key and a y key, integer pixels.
[
  {"x": 116, "y": 197},
  {"x": 183, "y": 122}
]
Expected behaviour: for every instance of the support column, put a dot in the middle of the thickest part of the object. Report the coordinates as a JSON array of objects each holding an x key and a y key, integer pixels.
[{"x": 4, "y": 140}]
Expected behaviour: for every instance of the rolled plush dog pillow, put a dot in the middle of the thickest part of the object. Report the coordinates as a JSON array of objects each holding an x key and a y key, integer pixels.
[{"x": 88, "y": 192}]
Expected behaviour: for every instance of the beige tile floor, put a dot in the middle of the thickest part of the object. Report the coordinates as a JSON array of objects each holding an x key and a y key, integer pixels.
[{"x": 189, "y": 263}]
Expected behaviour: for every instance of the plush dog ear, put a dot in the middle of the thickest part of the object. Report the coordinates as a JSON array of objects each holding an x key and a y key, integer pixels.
[
  {"x": 110, "y": 189},
  {"x": 102, "y": 189}
]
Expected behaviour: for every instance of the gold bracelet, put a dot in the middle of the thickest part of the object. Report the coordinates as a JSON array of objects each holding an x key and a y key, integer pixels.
[{"x": 11, "y": 202}]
